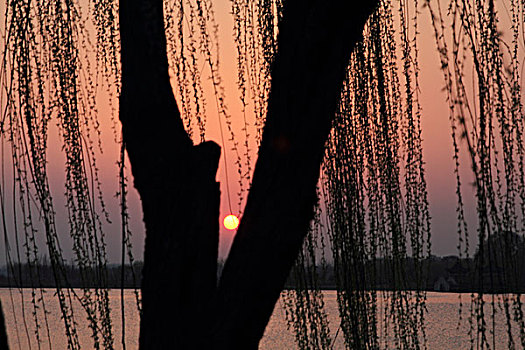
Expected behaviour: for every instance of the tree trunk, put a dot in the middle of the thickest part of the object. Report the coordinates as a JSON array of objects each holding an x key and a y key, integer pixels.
[
  {"x": 176, "y": 183},
  {"x": 3, "y": 333},
  {"x": 176, "y": 180},
  {"x": 315, "y": 41}
]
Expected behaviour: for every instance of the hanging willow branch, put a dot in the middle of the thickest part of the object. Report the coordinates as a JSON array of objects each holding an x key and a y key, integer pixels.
[
  {"x": 376, "y": 208},
  {"x": 48, "y": 78},
  {"x": 489, "y": 120},
  {"x": 374, "y": 150}
]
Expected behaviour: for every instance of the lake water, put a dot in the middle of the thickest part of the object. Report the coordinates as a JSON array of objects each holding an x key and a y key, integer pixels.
[{"x": 442, "y": 322}]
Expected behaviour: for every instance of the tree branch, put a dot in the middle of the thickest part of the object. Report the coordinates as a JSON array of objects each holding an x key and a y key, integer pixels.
[
  {"x": 3, "y": 332},
  {"x": 315, "y": 42}
]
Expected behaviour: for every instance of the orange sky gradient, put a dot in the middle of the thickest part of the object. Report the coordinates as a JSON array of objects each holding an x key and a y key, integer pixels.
[{"x": 437, "y": 150}]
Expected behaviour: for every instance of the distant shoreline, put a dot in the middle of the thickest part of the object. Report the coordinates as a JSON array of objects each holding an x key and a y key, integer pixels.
[{"x": 439, "y": 274}]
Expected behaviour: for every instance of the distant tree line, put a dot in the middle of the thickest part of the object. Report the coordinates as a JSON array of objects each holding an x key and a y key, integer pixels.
[
  {"x": 445, "y": 274},
  {"x": 448, "y": 273},
  {"x": 23, "y": 276}
]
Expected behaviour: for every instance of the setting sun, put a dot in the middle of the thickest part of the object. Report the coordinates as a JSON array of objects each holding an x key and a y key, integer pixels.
[{"x": 231, "y": 222}]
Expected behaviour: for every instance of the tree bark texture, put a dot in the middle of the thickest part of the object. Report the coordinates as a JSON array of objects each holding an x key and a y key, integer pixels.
[{"x": 182, "y": 308}]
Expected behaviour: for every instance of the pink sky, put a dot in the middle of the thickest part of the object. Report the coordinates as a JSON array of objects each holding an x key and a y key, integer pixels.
[{"x": 436, "y": 143}]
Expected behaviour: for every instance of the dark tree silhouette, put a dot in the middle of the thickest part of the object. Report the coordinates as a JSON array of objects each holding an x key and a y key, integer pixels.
[
  {"x": 3, "y": 333},
  {"x": 176, "y": 179}
]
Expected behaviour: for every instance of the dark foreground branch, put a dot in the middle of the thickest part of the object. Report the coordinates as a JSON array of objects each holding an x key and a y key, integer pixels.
[
  {"x": 3, "y": 333},
  {"x": 315, "y": 42},
  {"x": 176, "y": 183}
]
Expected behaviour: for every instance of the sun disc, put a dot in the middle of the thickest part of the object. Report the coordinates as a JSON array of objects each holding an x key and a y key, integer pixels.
[{"x": 231, "y": 222}]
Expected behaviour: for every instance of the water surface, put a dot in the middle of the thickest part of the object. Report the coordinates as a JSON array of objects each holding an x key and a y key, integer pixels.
[{"x": 444, "y": 331}]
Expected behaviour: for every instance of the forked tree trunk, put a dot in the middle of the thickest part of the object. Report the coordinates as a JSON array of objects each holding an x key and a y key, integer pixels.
[{"x": 176, "y": 181}]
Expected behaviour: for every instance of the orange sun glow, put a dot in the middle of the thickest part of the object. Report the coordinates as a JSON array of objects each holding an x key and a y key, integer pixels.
[{"x": 231, "y": 222}]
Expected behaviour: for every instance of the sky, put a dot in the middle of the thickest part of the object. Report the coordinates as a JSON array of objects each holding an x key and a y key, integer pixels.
[
  {"x": 437, "y": 141},
  {"x": 437, "y": 148}
]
